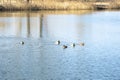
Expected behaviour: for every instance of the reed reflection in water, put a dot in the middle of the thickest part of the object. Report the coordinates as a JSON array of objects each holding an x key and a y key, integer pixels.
[
  {"x": 26, "y": 24},
  {"x": 21, "y": 26}
]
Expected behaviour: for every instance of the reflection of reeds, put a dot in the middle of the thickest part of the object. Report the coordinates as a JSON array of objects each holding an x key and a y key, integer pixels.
[
  {"x": 23, "y": 13},
  {"x": 2, "y": 24}
]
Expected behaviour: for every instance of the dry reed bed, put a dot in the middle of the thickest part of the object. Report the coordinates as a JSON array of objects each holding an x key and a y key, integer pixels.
[
  {"x": 54, "y": 5},
  {"x": 47, "y": 5}
]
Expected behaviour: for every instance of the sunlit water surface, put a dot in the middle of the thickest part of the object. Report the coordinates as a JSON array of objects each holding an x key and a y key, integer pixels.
[{"x": 40, "y": 59}]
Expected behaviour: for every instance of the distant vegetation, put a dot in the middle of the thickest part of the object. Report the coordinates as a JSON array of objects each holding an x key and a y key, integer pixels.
[{"x": 54, "y": 4}]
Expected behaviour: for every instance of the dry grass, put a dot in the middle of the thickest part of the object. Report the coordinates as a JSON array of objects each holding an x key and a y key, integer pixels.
[
  {"x": 53, "y": 5},
  {"x": 47, "y": 5},
  {"x": 63, "y": 5}
]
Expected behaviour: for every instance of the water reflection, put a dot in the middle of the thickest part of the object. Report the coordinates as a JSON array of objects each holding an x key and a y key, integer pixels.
[
  {"x": 40, "y": 59},
  {"x": 26, "y": 24}
]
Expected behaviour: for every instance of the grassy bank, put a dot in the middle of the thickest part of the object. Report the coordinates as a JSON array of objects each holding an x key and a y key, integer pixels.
[{"x": 52, "y": 5}]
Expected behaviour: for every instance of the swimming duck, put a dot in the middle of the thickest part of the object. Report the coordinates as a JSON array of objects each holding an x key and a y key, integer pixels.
[
  {"x": 64, "y": 46},
  {"x": 73, "y": 44},
  {"x": 82, "y": 44},
  {"x": 57, "y": 42},
  {"x": 22, "y": 43}
]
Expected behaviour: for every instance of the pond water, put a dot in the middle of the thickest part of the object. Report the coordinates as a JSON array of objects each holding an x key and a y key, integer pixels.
[{"x": 40, "y": 59}]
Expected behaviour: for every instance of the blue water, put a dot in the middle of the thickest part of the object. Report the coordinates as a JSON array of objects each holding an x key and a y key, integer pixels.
[{"x": 40, "y": 59}]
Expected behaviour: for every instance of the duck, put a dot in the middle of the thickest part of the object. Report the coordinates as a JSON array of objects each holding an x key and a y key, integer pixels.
[
  {"x": 57, "y": 42},
  {"x": 82, "y": 44},
  {"x": 64, "y": 46},
  {"x": 73, "y": 44},
  {"x": 22, "y": 42}
]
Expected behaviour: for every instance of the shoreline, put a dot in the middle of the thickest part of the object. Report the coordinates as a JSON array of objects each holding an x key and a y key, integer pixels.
[{"x": 55, "y": 5}]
